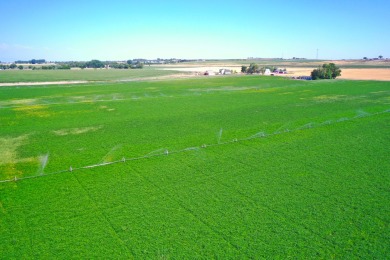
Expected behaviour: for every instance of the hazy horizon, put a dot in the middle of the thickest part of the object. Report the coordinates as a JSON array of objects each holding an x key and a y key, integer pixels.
[{"x": 121, "y": 30}]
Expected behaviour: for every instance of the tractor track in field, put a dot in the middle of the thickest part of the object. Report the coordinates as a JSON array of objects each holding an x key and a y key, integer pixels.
[
  {"x": 103, "y": 216},
  {"x": 189, "y": 211}
]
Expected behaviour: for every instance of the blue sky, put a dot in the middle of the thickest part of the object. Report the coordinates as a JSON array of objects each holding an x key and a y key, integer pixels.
[{"x": 120, "y": 30}]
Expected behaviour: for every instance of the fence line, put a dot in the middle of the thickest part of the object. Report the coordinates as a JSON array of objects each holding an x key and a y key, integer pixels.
[{"x": 167, "y": 152}]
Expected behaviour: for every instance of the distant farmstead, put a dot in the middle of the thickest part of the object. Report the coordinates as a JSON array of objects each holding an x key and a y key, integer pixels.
[
  {"x": 209, "y": 73},
  {"x": 225, "y": 72}
]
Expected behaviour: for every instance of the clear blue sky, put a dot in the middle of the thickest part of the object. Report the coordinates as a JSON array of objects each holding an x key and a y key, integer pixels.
[{"x": 120, "y": 30}]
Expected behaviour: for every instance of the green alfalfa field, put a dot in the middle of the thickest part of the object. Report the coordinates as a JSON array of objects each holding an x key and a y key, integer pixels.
[
  {"x": 15, "y": 76},
  {"x": 223, "y": 167}
]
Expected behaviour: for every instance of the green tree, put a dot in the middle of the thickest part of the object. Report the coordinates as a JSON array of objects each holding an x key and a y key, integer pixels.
[
  {"x": 20, "y": 67},
  {"x": 50, "y": 67},
  {"x": 63, "y": 67},
  {"x": 253, "y": 68},
  {"x": 332, "y": 70},
  {"x": 380, "y": 57},
  {"x": 244, "y": 69},
  {"x": 316, "y": 74},
  {"x": 364, "y": 58},
  {"x": 12, "y": 66},
  {"x": 137, "y": 65},
  {"x": 327, "y": 71},
  {"x": 94, "y": 64}
]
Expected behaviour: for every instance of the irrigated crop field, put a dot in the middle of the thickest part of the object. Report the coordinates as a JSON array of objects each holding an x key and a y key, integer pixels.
[
  {"x": 15, "y": 76},
  {"x": 224, "y": 167}
]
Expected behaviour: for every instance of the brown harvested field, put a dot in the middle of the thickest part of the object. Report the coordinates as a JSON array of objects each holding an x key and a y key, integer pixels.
[
  {"x": 352, "y": 74},
  {"x": 365, "y": 74},
  {"x": 369, "y": 70}
]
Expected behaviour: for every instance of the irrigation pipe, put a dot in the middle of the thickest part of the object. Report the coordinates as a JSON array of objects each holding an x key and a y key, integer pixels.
[{"x": 203, "y": 146}]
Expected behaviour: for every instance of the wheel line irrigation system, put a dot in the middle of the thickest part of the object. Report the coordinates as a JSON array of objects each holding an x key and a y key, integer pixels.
[{"x": 166, "y": 152}]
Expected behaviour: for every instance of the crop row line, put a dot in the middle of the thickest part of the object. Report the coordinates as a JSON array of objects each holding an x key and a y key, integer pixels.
[{"x": 167, "y": 152}]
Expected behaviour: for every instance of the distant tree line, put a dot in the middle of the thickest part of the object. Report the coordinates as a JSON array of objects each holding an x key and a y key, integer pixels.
[
  {"x": 96, "y": 64},
  {"x": 33, "y": 61},
  {"x": 380, "y": 57},
  {"x": 6, "y": 67},
  {"x": 44, "y": 67}
]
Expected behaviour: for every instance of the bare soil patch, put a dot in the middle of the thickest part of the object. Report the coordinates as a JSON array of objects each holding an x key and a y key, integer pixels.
[{"x": 365, "y": 74}]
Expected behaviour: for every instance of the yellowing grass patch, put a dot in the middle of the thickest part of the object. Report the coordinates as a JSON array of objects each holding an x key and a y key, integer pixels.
[
  {"x": 18, "y": 102},
  {"x": 77, "y": 131},
  {"x": 8, "y": 149},
  {"x": 9, "y": 157},
  {"x": 22, "y": 101},
  {"x": 33, "y": 111},
  {"x": 329, "y": 98}
]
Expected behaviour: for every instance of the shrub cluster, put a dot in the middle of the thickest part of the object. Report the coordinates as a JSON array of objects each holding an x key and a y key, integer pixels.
[{"x": 327, "y": 71}]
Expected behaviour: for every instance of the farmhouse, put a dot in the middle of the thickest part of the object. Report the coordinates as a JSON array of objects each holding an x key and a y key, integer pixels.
[{"x": 225, "y": 72}]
